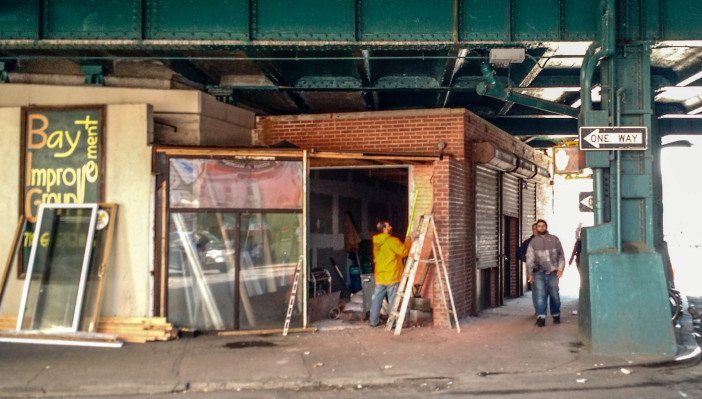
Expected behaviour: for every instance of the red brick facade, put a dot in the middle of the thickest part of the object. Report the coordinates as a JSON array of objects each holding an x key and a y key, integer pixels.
[{"x": 451, "y": 196}]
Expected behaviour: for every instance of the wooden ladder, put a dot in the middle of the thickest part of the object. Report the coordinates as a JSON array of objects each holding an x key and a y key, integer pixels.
[{"x": 398, "y": 311}]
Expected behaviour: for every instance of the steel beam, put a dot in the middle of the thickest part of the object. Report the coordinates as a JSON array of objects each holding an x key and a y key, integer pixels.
[
  {"x": 191, "y": 72},
  {"x": 546, "y": 125},
  {"x": 248, "y": 22},
  {"x": 526, "y": 73},
  {"x": 493, "y": 88},
  {"x": 364, "y": 71},
  {"x": 276, "y": 77},
  {"x": 453, "y": 67}
]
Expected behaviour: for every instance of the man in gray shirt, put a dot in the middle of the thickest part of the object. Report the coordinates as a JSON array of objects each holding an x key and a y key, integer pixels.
[{"x": 545, "y": 261}]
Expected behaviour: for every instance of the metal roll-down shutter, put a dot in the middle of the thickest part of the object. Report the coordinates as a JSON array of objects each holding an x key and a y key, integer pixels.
[
  {"x": 487, "y": 236},
  {"x": 510, "y": 195},
  {"x": 528, "y": 208}
]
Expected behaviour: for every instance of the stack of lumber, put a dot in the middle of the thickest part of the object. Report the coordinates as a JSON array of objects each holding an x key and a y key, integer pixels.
[
  {"x": 127, "y": 329},
  {"x": 138, "y": 329}
]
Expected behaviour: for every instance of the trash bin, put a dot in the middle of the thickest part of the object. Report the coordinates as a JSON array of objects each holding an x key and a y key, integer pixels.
[{"x": 368, "y": 284}]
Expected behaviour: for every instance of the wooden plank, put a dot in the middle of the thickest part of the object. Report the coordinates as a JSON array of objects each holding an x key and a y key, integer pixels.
[
  {"x": 164, "y": 267},
  {"x": 102, "y": 267},
  {"x": 229, "y": 152},
  {"x": 367, "y": 156},
  {"x": 11, "y": 255}
]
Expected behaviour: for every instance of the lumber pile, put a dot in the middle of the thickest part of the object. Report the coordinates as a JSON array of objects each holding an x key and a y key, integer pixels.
[
  {"x": 138, "y": 329},
  {"x": 127, "y": 329}
]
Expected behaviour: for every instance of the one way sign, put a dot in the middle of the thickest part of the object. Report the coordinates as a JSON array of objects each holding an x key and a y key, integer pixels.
[{"x": 623, "y": 138}]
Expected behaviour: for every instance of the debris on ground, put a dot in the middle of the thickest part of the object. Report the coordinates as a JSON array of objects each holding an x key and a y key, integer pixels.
[
  {"x": 625, "y": 371},
  {"x": 581, "y": 380}
]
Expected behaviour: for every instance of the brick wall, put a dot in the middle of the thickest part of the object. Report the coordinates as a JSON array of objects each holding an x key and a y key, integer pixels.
[
  {"x": 396, "y": 132},
  {"x": 445, "y": 188}
]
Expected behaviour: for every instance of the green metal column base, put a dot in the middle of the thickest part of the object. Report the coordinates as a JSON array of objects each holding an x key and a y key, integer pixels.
[{"x": 623, "y": 305}]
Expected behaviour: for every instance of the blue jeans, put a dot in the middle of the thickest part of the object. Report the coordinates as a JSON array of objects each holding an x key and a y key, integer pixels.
[
  {"x": 546, "y": 289},
  {"x": 381, "y": 291}
]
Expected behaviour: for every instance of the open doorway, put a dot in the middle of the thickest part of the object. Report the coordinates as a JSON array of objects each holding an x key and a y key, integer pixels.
[{"x": 345, "y": 205}]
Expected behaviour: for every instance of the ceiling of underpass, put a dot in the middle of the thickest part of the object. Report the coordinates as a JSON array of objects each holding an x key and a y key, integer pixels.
[{"x": 277, "y": 57}]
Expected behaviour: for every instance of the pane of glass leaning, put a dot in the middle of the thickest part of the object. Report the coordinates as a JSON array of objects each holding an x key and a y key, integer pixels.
[{"x": 52, "y": 297}]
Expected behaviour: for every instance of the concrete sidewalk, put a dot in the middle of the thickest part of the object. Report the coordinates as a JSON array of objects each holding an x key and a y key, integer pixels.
[{"x": 501, "y": 345}]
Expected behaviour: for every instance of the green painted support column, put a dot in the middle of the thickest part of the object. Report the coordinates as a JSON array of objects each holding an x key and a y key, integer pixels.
[{"x": 624, "y": 289}]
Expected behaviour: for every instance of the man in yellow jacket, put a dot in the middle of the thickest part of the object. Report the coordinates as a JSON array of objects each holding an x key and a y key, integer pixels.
[{"x": 388, "y": 252}]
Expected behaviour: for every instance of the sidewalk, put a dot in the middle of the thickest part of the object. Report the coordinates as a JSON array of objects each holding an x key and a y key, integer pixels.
[{"x": 501, "y": 345}]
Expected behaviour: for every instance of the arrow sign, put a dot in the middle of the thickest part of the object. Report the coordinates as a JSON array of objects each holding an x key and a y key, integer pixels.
[
  {"x": 622, "y": 138},
  {"x": 587, "y": 200}
]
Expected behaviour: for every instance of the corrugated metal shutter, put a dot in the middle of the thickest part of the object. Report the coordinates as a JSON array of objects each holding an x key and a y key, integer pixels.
[
  {"x": 528, "y": 209},
  {"x": 510, "y": 195},
  {"x": 486, "y": 218}
]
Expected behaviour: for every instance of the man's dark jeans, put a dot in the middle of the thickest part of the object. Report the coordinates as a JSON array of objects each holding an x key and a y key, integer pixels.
[{"x": 546, "y": 289}]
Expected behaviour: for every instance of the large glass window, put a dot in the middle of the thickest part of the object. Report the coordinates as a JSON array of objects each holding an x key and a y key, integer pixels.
[
  {"x": 57, "y": 269},
  {"x": 234, "y": 241}
]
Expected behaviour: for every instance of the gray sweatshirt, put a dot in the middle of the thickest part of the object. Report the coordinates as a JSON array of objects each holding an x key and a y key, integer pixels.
[{"x": 545, "y": 254}]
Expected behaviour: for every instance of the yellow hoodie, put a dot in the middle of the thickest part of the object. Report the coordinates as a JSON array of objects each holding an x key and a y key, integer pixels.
[{"x": 388, "y": 252}]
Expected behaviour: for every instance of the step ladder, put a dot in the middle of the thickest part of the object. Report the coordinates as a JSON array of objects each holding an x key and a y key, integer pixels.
[
  {"x": 398, "y": 311},
  {"x": 293, "y": 296}
]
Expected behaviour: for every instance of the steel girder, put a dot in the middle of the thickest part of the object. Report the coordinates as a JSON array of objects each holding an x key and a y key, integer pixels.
[{"x": 246, "y": 22}]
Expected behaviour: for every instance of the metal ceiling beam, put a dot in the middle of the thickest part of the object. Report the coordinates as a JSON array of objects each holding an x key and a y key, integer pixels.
[
  {"x": 453, "y": 66},
  {"x": 526, "y": 73},
  {"x": 269, "y": 69},
  {"x": 569, "y": 126},
  {"x": 364, "y": 71},
  {"x": 191, "y": 72},
  {"x": 491, "y": 87},
  {"x": 245, "y": 23}
]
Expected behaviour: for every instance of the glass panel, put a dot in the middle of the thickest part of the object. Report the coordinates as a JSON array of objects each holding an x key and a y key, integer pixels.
[
  {"x": 240, "y": 184},
  {"x": 54, "y": 282},
  {"x": 201, "y": 270},
  {"x": 270, "y": 250}
]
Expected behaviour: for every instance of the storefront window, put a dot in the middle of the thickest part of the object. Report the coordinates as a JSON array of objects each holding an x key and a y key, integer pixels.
[{"x": 235, "y": 237}]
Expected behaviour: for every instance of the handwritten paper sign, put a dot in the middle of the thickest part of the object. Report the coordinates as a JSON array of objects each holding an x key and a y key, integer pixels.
[{"x": 62, "y": 163}]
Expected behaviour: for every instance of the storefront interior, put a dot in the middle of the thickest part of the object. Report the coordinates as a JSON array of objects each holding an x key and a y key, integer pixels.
[{"x": 345, "y": 206}]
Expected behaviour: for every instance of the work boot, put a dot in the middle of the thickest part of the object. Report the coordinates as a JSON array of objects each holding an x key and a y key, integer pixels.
[
  {"x": 540, "y": 322},
  {"x": 557, "y": 319}
]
